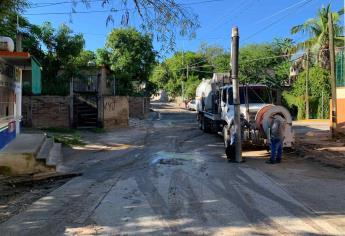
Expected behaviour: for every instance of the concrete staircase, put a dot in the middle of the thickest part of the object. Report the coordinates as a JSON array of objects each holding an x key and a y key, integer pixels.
[
  {"x": 50, "y": 153},
  {"x": 31, "y": 154},
  {"x": 86, "y": 113}
]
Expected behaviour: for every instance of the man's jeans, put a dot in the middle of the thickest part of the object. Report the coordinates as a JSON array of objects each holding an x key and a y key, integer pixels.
[{"x": 276, "y": 149}]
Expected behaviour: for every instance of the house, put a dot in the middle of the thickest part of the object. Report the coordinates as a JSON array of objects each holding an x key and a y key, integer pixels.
[
  {"x": 340, "y": 83},
  {"x": 16, "y": 68}
]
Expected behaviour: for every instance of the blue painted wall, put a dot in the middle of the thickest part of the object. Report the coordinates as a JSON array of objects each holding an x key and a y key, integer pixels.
[{"x": 7, "y": 135}]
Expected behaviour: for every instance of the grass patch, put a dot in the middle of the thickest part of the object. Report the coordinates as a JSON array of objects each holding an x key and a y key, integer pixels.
[
  {"x": 68, "y": 139},
  {"x": 98, "y": 130},
  {"x": 5, "y": 170},
  {"x": 60, "y": 130}
]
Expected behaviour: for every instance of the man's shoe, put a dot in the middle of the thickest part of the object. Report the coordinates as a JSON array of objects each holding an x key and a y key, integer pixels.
[
  {"x": 270, "y": 162},
  {"x": 278, "y": 160}
]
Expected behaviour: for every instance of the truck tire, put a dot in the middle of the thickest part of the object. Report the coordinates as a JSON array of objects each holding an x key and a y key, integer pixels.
[
  {"x": 200, "y": 118},
  {"x": 205, "y": 125}
]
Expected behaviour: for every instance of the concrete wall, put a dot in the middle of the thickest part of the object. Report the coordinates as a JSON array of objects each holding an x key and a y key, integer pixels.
[
  {"x": 45, "y": 111},
  {"x": 139, "y": 107},
  {"x": 341, "y": 109},
  {"x": 115, "y": 111}
]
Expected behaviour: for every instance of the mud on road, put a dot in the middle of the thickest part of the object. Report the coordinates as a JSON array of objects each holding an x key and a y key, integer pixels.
[{"x": 177, "y": 182}]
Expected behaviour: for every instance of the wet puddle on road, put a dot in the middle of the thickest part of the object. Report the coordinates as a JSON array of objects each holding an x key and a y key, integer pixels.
[{"x": 172, "y": 158}]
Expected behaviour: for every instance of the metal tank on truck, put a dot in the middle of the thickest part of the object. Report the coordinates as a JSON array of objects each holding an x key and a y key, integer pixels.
[{"x": 215, "y": 110}]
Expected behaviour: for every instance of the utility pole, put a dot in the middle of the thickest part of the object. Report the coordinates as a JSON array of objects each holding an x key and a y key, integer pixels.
[
  {"x": 307, "y": 87},
  {"x": 182, "y": 92},
  {"x": 333, "y": 79},
  {"x": 236, "y": 94}
]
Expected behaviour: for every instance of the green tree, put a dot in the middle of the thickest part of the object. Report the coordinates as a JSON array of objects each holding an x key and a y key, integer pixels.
[
  {"x": 58, "y": 62},
  {"x": 102, "y": 57},
  {"x": 210, "y": 52},
  {"x": 317, "y": 29},
  {"x": 131, "y": 57},
  {"x": 319, "y": 93},
  {"x": 187, "y": 68},
  {"x": 163, "y": 19},
  {"x": 84, "y": 58},
  {"x": 283, "y": 46},
  {"x": 257, "y": 64},
  {"x": 221, "y": 63},
  {"x": 216, "y": 56},
  {"x": 11, "y": 8}
]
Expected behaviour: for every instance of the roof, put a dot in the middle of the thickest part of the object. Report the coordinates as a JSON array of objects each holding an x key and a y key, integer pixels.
[{"x": 20, "y": 59}]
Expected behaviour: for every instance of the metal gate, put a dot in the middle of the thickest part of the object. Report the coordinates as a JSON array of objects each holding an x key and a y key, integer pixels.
[{"x": 86, "y": 102}]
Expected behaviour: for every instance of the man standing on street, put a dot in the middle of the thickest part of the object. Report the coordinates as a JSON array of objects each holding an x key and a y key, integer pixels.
[{"x": 276, "y": 137}]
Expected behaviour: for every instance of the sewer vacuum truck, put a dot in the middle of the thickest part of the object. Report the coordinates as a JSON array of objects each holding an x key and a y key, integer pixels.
[{"x": 215, "y": 111}]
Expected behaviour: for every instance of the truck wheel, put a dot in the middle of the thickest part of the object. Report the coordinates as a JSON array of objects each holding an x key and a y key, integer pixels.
[
  {"x": 200, "y": 122},
  {"x": 228, "y": 152},
  {"x": 205, "y": 125}
]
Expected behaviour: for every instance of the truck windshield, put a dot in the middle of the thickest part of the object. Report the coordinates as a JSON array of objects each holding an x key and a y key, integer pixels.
[{"x": 259, "y": 94}]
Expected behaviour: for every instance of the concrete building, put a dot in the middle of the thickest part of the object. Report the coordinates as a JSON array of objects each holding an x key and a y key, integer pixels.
[
  {"x": 15, "y": 68},
  {"x": 340, "y": 75}
]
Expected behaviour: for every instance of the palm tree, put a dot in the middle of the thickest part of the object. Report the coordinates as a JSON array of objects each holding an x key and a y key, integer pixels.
[{"x": 317, "y": 29}]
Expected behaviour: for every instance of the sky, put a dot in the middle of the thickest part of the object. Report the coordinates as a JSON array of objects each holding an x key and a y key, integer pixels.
[{"x": 258, "y": 20}]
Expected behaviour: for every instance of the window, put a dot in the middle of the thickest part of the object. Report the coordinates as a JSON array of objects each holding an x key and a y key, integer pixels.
[
  {"x": 6, "y": 70},
  {"x": 6, "y": 102},
  {"x": 6, "y": 91},
  {"x": 259, "y": 94},
  {"x": 224, "y": 95}
]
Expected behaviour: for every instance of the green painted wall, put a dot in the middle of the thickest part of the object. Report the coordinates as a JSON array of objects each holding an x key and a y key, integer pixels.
[{"x": 36, "y": 77}]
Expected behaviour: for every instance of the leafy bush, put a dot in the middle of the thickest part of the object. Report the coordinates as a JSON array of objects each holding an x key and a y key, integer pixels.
[{"x": 319, "y": 94}]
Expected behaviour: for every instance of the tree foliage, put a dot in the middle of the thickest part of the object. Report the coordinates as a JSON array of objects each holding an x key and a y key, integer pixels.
[
  {"x": 259, "y": 63},
  {"x": 318, "y": 31},
  {"x": 164, "y": 19},
  {"x": 58, "y": 62},
  {"x": 11, "y": 8},
  {"x": 180, "y": 74},
  {"x": 216, "y": 56},
  {"x": 319, "y": 93},
  {"x": 84, "y": 58},
  {"x": 130, "y": 55}
]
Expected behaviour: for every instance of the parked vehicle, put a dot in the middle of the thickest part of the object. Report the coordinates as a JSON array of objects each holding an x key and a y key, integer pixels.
[
  {"x": 215, "y": 110},
  {"x": 191, "y": 105}
]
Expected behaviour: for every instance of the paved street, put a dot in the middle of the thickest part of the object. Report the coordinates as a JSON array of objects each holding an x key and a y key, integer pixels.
[{"x": 175, "y": 180}]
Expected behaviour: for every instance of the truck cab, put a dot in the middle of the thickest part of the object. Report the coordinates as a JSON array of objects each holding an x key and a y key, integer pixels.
[{"x": 255, "y": 96}]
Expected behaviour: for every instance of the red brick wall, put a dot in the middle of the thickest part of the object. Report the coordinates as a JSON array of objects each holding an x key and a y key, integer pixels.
[
  {"x": 139, "y": 107},
  {"x": 45, "y": 111}
]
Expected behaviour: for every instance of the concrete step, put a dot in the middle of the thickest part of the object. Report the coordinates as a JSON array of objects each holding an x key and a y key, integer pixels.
[
  {"x": 88, "y": 115},
  {"x": 43, "y": 153},
  {"x": 55, "y": 155}
]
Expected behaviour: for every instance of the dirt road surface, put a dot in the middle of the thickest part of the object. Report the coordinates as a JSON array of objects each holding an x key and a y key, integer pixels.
[{"x": 175, "y": 180}]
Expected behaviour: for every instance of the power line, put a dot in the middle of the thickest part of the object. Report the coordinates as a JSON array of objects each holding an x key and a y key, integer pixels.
[
  {"x": 273, "y": 23},
  {"x": 73, "y": 12},
  {"x": 49, "y": 4},
  {"x": 245, "y": 7},
  {"x": 221, "y": 18},
  {"x": 280, "y": 11}
]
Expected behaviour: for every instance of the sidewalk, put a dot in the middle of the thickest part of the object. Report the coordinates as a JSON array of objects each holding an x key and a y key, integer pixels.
[
  {"x": 113, "y": 147},
  {"x": 313, "y": 142}
]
